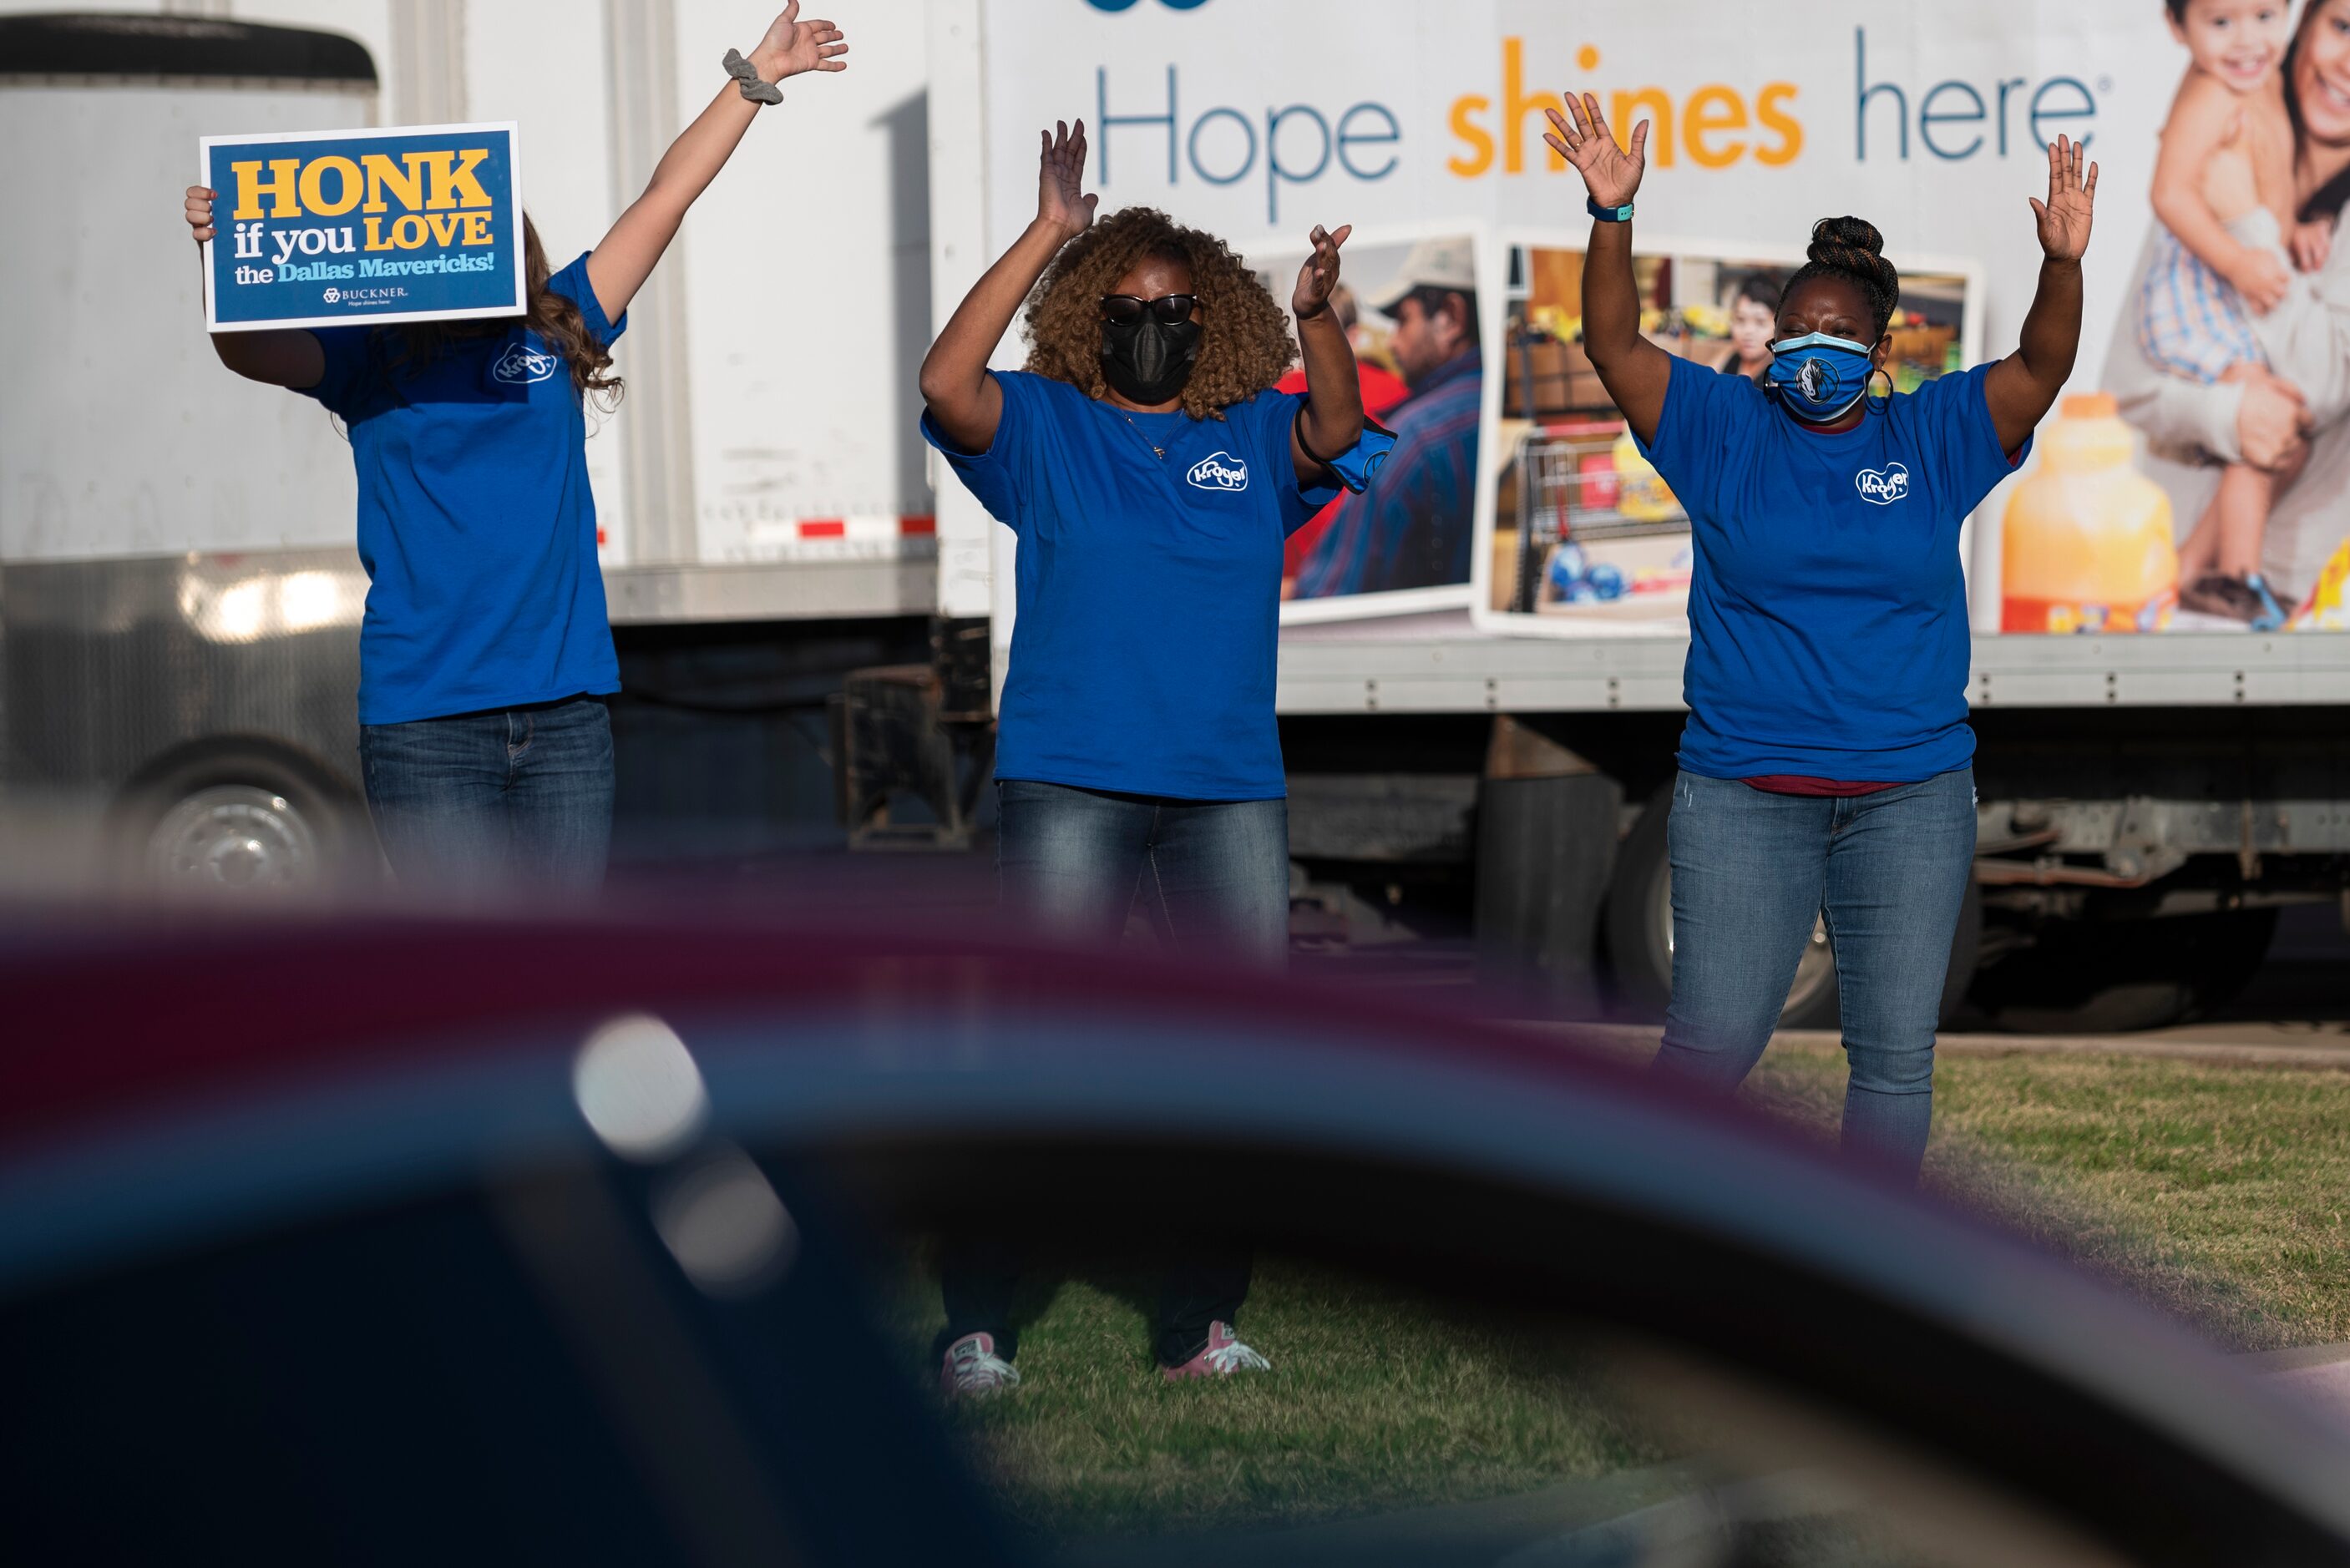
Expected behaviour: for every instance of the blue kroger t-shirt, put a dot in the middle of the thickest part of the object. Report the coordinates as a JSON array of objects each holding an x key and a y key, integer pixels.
[
  {"x": 475, "y": 522},
  {"x": 1149, "y": 588},
  {"x": 1827, "y": 610}
]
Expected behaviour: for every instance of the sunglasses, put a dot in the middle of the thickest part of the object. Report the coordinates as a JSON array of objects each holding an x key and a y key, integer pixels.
[{"x": 1125, "y": 309}]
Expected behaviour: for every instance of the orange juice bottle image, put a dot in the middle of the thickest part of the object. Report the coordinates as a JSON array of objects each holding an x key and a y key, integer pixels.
[{"x": 2086, "y": 544}]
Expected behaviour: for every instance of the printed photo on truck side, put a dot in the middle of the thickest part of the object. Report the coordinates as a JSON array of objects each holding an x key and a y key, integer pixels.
[{"x": 1410, "y": 304}]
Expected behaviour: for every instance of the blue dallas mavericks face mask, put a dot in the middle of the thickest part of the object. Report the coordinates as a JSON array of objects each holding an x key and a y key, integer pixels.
[{"x": 1819, "y": 377}]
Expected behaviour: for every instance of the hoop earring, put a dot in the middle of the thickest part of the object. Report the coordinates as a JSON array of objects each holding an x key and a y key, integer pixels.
[{"x": 1867, "y": 387}]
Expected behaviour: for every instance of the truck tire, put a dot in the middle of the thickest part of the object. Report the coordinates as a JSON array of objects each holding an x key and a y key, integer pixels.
[
  {"x": 2118, "y": 977},
  {"x": 1639, "y": 933},
  {"x": 241, "y": 820}
]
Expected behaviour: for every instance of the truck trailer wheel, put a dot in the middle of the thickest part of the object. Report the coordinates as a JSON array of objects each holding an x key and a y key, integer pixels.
[
  {"x": 2115, "y": 977},
  {"x": 1639, "y": 928},
  {"x": 240, "y": 821}
]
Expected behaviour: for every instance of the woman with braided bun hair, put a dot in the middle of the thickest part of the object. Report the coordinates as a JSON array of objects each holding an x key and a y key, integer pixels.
[{"x": 1826, "y": 768}]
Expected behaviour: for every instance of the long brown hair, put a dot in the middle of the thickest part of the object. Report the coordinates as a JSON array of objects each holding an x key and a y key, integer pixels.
[
  {"x": 2328, "y": 200},
  {"x": 414, "y": 345},
  {"x": 1247, "y": 344}
]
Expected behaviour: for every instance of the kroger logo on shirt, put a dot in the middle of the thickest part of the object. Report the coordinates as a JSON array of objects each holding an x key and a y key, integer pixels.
[
  {"x": 522, "y": 364},
  {"x": 1219, "y": 471},
  {"x": 1882, "y": 486}
]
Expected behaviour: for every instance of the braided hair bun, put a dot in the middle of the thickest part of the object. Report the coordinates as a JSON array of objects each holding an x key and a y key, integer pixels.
[{"x": 1852, "y": 249}]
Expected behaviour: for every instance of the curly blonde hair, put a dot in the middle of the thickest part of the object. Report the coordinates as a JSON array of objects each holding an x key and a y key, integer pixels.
[{"x": 1246, "y": 345}]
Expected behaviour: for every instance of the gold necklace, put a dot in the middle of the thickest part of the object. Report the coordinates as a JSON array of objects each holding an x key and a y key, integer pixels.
[{"x": 1156, "y": 450}]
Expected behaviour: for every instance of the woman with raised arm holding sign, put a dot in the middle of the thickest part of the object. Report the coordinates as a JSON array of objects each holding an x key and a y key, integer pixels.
[
  {"x": 1827, "y": 764},
  {"x": 1151, "y": 473},
  {"x": 485, "y": 655}
]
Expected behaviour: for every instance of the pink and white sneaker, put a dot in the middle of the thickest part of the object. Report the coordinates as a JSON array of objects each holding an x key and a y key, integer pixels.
[
  {"x": 972, "y": 1370},
  {"x": 1221, "y": 1357}
]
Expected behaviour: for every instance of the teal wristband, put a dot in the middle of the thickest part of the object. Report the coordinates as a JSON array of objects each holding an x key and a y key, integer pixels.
[{"x": 1622, "y": 214}]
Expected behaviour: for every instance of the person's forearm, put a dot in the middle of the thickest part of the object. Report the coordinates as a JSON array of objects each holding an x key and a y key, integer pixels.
[
  {"x": 220, "y": 340},
  {"x": 1333, "y": 391},
  {"x": 2307, "y": 338},
  {"x": 2052, "y": 327},
  {"x": 956, "y": 365},
  {"x": 279, "y": 355},
  {"x": 629, "y": 252},
  {"x": 2173, "y": 412},
  {"x": 637, "y": 241},
  {"x": 701, "y": 150},
  {"x": 1611, "y": 299},
  {"x": 236, "y": 350}
]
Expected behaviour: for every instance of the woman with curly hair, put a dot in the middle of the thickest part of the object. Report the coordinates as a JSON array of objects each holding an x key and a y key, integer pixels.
[
  {"x": 1151, "y": 473},
  {"x": 1827, "y": 766},
  {"x": 485, "y": 748}
]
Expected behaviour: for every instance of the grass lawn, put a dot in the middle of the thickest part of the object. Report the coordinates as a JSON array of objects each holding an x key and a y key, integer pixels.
[
  {"x": 2220, "y": 1195},
  {"x": 1375, "y": 1400}
]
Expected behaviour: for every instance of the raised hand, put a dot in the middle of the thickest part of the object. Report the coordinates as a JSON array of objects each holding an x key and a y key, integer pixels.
[
  {"x": 1610, "y": 172},
  {"x": 1060, "y": 180},
  {"x": 1319, "y": 275},
  {"x": 793, "y": 46},
  {"x": 2072, "y": 196},
  {"x": 200, "y": 212}
]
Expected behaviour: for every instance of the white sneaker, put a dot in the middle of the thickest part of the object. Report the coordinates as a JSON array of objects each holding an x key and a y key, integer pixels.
[
  {"x": 971, "y": 1369},
  {"x": 1221, "y": 1357}
]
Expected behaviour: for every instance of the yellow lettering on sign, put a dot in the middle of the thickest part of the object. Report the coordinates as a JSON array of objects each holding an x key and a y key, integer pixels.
[
  {"x": 1624, "y": 110},
  {"x": 478, "y": 228},
  {"x": 404, "y": 179},
  {"x": 1477, "y": 143},
  {"x": 1708, "y": 110},
  {"x": 279, "y": 187},
  {"x": 1790, "y": 129},
  {"x": 349, "y": 184},
  {"x": 454, "y": 183},
  {"x": 1517, "y": 104}
]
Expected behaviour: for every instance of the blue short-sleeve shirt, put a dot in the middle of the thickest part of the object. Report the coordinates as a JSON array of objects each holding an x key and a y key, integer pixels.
[
  {"x": 475, "y": 522},
  {"x": 1149, "y": 588},
  {"x": 1828, "y": 632}
]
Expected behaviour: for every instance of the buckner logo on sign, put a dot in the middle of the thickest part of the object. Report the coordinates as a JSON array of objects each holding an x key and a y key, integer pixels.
[{"x": 332, "y": 228}]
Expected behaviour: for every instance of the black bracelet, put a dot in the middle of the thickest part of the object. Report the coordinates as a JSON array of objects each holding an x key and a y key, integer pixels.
[
  {"x": 747, "y": 82},
  {"x": 1297, "y": 431}
]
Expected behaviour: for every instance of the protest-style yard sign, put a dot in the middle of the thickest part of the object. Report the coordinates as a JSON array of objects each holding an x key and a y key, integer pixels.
[{"x": 343, "y": 228}]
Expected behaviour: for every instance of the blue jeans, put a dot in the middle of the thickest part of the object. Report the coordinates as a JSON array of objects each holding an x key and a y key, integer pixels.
[
  {"x": 518, "y": 796},
  {"x": 1213, "y": 875},
  {"x": 1752, "y": 871}
]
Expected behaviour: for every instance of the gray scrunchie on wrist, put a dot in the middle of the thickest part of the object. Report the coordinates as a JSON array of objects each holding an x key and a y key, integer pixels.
[{"x": 747, "y": 82}]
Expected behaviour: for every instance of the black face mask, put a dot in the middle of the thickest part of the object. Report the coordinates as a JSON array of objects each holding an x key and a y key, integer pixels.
[{"x": 1147, "y": 362}]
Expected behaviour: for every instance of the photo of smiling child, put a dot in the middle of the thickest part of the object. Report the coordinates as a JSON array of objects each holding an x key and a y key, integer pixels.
[{"x": 2223, "y": 194}]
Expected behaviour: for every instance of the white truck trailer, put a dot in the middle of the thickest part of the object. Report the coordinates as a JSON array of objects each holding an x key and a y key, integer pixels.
[
  {"x": 2146, "y": 800},
  {"x": 179, "y": 596}
]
